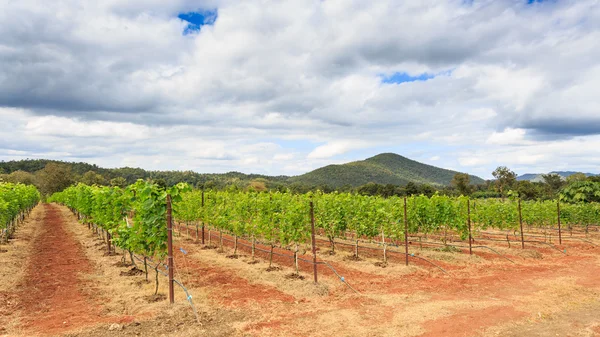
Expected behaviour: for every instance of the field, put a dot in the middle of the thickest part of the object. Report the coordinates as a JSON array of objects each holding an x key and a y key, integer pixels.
[{"x": 57, "y": 279}]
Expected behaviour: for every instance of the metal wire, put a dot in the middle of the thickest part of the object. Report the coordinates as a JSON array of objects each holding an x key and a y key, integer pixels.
[{"x": 299, "y": 259}]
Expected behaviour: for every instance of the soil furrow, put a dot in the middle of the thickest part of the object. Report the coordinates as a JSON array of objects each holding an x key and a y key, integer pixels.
[{"x": 50, "y": 296}]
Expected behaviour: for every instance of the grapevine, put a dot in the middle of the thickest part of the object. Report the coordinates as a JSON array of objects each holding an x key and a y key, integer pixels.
[{"x": 16, "y": 200}]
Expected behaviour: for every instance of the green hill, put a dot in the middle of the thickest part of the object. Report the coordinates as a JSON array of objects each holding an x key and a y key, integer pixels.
[
  {"x": 132, "y": 174},
  {"x": 385, "y": 168}
]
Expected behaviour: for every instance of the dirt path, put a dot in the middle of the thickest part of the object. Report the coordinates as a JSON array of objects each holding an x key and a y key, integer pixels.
[
  {"x": 13, "y": 268},
  {"x": 50, "y": 296}
]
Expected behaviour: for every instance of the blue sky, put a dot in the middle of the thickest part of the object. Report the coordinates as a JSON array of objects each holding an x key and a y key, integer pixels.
[
  {"x": 198, "y": 19},
  {"x": 402, "y": 77},
  {"x": 217, "y": 86}
]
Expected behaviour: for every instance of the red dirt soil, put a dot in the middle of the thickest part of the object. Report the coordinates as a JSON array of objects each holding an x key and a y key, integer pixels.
[
  {"x": 232, "y": 290},
  {"x": 50, "y": 298},
  {"x": 501, "y": 281},
  {"x": 468, "y": 322}
]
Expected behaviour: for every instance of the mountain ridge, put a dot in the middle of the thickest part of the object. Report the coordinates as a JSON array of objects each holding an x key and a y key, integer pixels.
[
  {"x": 537, "y": 177},
  {"x": 384, "y": 168}
]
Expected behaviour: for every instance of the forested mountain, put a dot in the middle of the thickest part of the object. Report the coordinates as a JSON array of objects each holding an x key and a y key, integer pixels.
[
  {"x": 132, "y": 174},
  {"x": 385, "y": 168}
]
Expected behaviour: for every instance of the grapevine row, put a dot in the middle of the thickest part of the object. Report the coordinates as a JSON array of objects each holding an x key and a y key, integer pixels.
[
  {"x": 134, "y": 216},
  {"x": 16, "y": 200},
  {"x": 284, "y": 219}
]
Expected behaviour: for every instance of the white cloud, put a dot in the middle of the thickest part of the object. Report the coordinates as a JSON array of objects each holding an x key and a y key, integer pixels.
[
  {"x": 335, "y": 148},
  {"x": 509, "y": 136},
  {"x": 472, "y": 161},
  {"x": 117, "y": 83},
  {"x": 69, "y": 127},
  {"x": 283, "y": 156}
]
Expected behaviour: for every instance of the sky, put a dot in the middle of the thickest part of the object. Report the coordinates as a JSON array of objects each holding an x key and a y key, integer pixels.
[{"x": 284, "y": 87}]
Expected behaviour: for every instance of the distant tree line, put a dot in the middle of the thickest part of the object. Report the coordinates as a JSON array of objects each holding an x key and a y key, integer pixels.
[{"x": 51, "y": 176}]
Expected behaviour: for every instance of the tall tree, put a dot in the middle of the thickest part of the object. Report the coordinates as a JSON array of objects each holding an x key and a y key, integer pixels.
[
  {"x": 581, "y": 191},
  {"x": 411, "y": 188},
  {"x": 554, "y": 182},
  {"x": 118, "y": 182},
  {"x": 505, "y": 179},
  {"x": 258, "y": 185},
  {"x": 21, "y": 177},
  {"x": 576, "y": 177},
  {"x": 528, "y": 190},
  {"x": 54, "y": 178},
  {"x": 461, "y": 182},
  {"x": 595, "y": 179},
  {"x": 369, "y": 189},
  {"x": 427, "y": 190},
  {"x": 92, "y": 178}
]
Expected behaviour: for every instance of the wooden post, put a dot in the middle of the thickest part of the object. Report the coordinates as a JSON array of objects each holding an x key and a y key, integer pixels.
[
  {"x": 469, "y": 223},
  {"x": 170, "y": 249},
  {"x": 384, "y": 245},
  {"x": 314, "y": 245},
  {"x": 405, "y": 231},
  {"x": 521, "y": 224},
  {"x": 108, "y": 241},
  {"x": 202, "y": 221},
  {"x": 559, "y": 230}
]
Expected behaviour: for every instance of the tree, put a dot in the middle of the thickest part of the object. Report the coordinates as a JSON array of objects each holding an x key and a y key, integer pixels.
[
  {"x": 369, "y": 189},
  {"x": 427, "y": 190},
  {"x": 388, "y": 190},
  {"x": 461, "y": 182},
  {"x": 161, "y": 183},
  {"x": 505, "y": 179},
  {"x": 528, "y": 190},
  {"x": 209, "y": 185},
  {"x": 595, "y": 179},
  {"x": 54, "y": 178},
  {"x": 118, "y": 182},
  {"x": 257, "y": 185},
  {"x": 21, "y": 177},
  {"x": 411, "y": 188},
  {"x": 92, "y": 178},
  {"x": 553, "y": 182},
  {"x": 581, "y": 191},
  {"x": 576, "y": 177}
]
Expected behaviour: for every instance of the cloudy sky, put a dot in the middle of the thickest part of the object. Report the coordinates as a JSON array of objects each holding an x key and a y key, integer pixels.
[{"x": 283, "y": 87}]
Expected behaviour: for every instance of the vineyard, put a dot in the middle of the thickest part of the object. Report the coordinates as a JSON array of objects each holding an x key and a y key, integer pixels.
[
  {"x": 134, "y": 217},
  {"x": 234, "y": 250},
  {"x": 284, "y": 220},
  {"x": 16, "y": 201}
]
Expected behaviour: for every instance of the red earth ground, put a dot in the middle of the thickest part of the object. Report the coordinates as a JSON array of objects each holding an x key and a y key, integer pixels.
[
  {"x": 515, "y": 287},
  {"x": 51, "y": 297}
]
